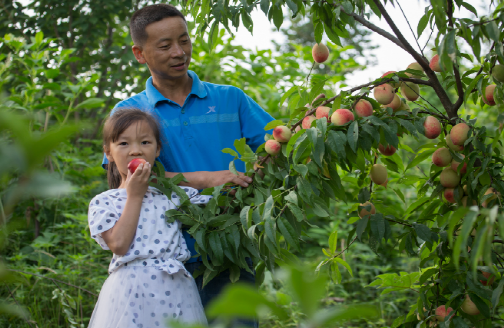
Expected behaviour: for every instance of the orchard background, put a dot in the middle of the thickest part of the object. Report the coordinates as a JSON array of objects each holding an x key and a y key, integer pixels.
[{"x": 63, "y": 65}]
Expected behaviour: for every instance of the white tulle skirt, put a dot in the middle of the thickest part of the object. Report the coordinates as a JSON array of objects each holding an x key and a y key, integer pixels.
[{"x": 145, "y": 297}]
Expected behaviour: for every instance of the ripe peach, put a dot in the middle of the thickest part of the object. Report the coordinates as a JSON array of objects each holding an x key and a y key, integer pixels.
[
  {"x": 282, "y": 133},
  {"x": 395, "y": 104},
  {"x": 469, "y": 307},
  {"x": 134, "y": 163},
  {"x": 465, "y": 199},
  {"x": 404, "y": 105},
  {"x": 450, "y": 144},
  {"x": 432, "y": 127},
  {"x": 298, "y": 128},
  {"x": 320, "y": 52},
  {"x": 449, "y": 178},
  {"x": 441, "y": 311},
  {"x": 379, "y": 174},
  {"x": 498, "y": 73},
  {"x": 363, "y": 212},
  {"x": 307, "y": 121},
  {"x": 455, "y": 165},
  {"x": 487, "y": 275},
  {"x": 342, "y": 116},
  {"x": 390, "y": 74},
  {"x": 488, "y": 98},
  {"x": 416, "y": 66},
  {"x": 434, "y": 64},
  {"x": 458, "y": 134},
  {"x": 387, "y": 151},
  {"x": 488, "y": 192},
  {"x": 449, "y": 195},
  {"x": 363, "y": 108},
  {"x": 441, "y": 157},
  {"x": 384, "y": 94},
  {"x": 272, "y": 147},
  {"x": 410, "y": 91},
  {"x": 322, "y": 111}
]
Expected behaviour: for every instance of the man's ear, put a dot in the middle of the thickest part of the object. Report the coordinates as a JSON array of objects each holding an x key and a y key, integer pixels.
[
  {"x": 138, "y": 52},
  {"x": 106, "y": 150}
]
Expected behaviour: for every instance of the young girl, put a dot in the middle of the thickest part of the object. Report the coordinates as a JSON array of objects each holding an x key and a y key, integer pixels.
[{"x": 148, "y": 283}]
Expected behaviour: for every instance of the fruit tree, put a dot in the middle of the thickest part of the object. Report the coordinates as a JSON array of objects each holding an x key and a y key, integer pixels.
[{"x": 455, "y": 226}]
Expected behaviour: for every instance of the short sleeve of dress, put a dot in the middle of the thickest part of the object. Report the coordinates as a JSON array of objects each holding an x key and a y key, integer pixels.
[
  {"x": 195, "y": 197},
  {"x": 101, "y": 217}
]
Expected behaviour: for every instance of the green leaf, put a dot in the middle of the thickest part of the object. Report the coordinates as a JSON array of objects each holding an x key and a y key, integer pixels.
[
  {"x": 288, "y": 94},
  {"x": 333, "y": 241},
  {"x": 353, "y": 135},
  {"x": 423, "y": 232},
  {"x": 461, "y": 241},
  {"x": 244, "y": 301},
  {"x": 288, "y": 232},
  {"x": 269, "y": 221},
  {"x": 265, "y": 6},
  {"x": 273, "y": 124},
  {"x": 492, "y": 30},
  {"x": 345, "y": 264},
  {"x": 470, "y": 8},
  {"x": 319, "y": 30},
  {"x": 422, "y": 24},
  {"x": 336, "y": 141},
  {"x": 90, "y": 103},
  {"x": 419, "y": 158},
  {"x": 361, "y": 226},
  {"x": 496, "y": 294},
  {"x": 216, "y": 246},
  {"x": 39, "y": 37},
  {"x": 277, "y": 16},
  {"x": 296, "y": 211},
  {"x": 214, "y": 30}
]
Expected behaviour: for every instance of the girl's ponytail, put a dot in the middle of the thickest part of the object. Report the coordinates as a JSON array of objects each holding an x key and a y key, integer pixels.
[{"x": 113, "y": 176}]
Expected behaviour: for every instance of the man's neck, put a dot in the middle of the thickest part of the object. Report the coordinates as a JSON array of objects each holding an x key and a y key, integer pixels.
[{"x": 176, "y": 90}]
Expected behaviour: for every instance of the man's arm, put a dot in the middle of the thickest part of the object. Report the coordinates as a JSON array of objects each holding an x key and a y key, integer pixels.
[{"x": 207, "y": 179}]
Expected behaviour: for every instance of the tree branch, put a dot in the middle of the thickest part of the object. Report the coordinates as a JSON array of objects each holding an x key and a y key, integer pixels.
[
  {"x": 375, "y": 28},
  {"x": 436, "y": 85},
  {"x": 456, "y": 73}
]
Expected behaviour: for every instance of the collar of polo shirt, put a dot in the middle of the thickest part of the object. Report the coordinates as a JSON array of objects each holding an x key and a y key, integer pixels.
[{"x": 155, "y": 96}]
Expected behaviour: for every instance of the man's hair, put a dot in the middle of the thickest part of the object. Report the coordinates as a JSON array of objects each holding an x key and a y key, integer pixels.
[{"x": 148, "y": 15}]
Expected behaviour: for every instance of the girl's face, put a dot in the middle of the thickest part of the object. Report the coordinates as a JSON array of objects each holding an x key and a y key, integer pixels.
[{"x": 137, "y": 141}]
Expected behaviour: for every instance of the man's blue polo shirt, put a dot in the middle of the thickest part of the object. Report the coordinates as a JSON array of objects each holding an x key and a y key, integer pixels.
[{"x": 211, "y": 119}]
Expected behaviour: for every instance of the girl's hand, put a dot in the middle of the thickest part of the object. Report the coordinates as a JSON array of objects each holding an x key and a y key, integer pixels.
[{"x": 138, "y": 182}]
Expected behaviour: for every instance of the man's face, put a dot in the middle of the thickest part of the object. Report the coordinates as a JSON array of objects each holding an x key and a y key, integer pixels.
[{"x": 167, "y": 50}]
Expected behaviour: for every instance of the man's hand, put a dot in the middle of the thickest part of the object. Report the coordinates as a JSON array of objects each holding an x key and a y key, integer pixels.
[
  {"x": 221, "y": 177},
  {"x": 207, "y": 179}
]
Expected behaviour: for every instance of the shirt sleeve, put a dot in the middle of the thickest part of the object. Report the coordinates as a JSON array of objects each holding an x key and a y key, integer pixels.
[
  {"x": 102, "y": 216},
  {"x": 194, "y": 196},
  {"x": 253, "y": 119}
]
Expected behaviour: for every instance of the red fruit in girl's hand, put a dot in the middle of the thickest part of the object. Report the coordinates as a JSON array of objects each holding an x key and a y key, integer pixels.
[{"x": 133, "y": 165}]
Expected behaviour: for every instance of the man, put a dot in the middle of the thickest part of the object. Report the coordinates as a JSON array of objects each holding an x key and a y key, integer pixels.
[{"x": 197, "y": 119}]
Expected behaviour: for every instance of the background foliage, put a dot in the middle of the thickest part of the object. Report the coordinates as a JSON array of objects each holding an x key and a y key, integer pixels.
[{"x": 64, "y": 65}]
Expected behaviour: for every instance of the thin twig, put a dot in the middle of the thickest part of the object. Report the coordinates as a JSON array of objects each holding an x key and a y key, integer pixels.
[
  {"x": 17, "y": 303},
  {"x": 427, "y": 42},
  {"x": 407, "y": 21},
  {"x": 53, "y": 280}
]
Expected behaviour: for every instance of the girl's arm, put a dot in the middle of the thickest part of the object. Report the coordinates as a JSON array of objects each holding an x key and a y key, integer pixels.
[{"x": 120, "y": 236}]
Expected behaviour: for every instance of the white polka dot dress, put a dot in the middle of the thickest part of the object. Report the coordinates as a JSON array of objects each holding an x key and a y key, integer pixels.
[{"x": 149, "y": 285}]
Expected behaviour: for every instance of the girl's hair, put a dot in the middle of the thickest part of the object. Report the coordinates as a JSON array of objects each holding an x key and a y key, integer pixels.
[{"x": 115, "y": 125}]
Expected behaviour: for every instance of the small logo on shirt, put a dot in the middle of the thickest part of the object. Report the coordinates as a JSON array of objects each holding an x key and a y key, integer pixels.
[{"x": 212, "y": 109}]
